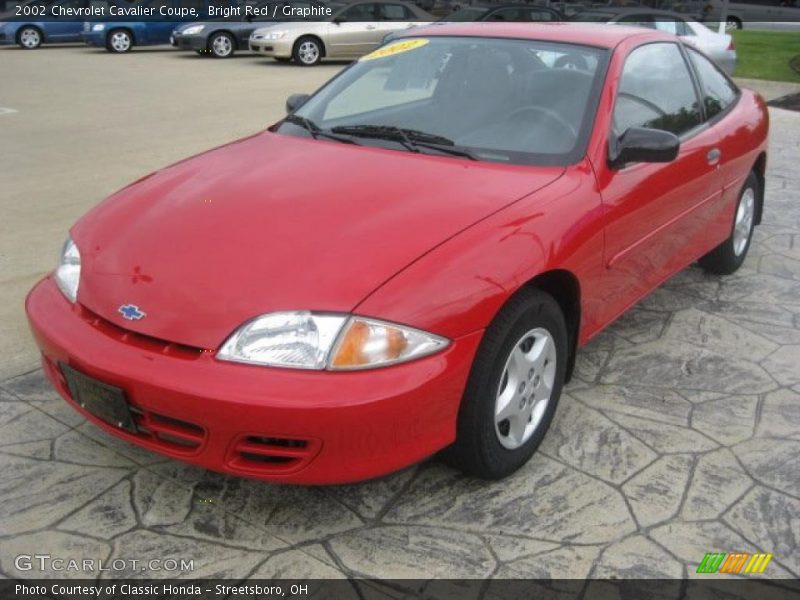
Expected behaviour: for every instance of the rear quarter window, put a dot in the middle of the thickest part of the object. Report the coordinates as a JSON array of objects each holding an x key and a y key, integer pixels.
[{"x": 717, "y": 90}]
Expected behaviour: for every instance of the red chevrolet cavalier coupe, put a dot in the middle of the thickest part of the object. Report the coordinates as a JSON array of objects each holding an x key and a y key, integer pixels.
[{"x": 409, "y": 261}]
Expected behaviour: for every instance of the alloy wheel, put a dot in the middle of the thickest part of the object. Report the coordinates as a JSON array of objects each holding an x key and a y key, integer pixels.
[
  {"x": 308, "y": 52},
  {"x": 525, "y": 389},
  {"x": 30, "y": 38},
  {"x": 120, "y": 41},
  {"x": 743, "y": 225},
  {"x": 222, "y": 46}
]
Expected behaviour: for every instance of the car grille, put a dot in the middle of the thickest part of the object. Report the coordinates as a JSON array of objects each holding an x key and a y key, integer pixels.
[
  {"x": 140, "y": 340},
  {"x": 267, "y": 454}
]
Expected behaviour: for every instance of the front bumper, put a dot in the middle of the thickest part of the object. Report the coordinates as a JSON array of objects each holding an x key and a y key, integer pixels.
[
  {"x": 272, "y": 48},
  {"x": 324, "y": 427},
  {"x": 189, "y": 42}
]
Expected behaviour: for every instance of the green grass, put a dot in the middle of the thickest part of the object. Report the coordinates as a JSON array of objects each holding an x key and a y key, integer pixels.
[{"x": 766, "y": 54}]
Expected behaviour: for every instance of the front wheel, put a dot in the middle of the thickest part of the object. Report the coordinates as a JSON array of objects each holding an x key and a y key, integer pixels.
[
  {"x": 221, "y": 45},
  {"x": 307, "y": 51},
  {"x": 513, "y": 387},
  {"x": 119, "y": 40},
  {"x": 730, "y": 254},
  {"x": 29, "y": 38}
]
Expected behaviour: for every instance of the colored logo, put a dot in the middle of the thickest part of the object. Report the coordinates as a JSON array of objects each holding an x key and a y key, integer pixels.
[
  {"x": 131, "y": 312},
  {"x": 734, "y": 563}
]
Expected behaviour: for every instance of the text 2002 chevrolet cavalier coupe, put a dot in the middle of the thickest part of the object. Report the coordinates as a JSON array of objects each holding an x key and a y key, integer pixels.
[{"x": 408, "y": 262}]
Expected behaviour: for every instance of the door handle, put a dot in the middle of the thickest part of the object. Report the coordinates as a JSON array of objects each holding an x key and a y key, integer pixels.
[
  {"x": 714, "y": 155},
  {"x": 372, "y": 26}
]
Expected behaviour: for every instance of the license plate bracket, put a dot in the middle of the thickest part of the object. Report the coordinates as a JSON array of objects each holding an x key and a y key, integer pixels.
[{"x": 104, "y": 401}]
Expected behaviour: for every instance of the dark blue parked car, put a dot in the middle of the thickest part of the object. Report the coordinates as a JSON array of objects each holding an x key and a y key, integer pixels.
[
  {"x": 31, "y": 24},
  {"x": 159, "y": 19}
]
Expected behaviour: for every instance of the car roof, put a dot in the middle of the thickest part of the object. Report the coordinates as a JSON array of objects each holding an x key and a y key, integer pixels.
[
  {"x": 503, "y": 6},
  {"x": 587, "y": 34}
]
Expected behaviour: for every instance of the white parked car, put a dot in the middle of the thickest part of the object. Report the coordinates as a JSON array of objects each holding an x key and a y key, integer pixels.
[
  {"x": 350, "y": 31},
  {"x": 718, "y": 46}
]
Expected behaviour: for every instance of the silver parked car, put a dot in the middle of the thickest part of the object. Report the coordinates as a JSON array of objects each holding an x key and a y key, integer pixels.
[{"x": 351, "y": 30}]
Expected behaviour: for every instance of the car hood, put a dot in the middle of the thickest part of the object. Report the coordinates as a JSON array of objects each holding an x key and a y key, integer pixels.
[{"x": 275, "y": 222}]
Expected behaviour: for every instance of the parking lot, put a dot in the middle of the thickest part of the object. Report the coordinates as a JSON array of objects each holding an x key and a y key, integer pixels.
[{"x": 679, "y": 435}]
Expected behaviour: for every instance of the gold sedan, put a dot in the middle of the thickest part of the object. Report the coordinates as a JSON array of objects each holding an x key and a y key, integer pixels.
[{"x": 351, "y": 30}]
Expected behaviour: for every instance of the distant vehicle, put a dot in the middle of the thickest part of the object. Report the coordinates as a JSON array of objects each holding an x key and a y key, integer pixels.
[
  {"x": 43, "y": 22},
  {"x": 352, "y": 30},
  {"x": 503, "y": 12},
  {"x": 718, "y": 46},
  {"x": 744, "y": 12},
  {"x": 121, "y": 36},
  {"x": 221, "y": 38}
]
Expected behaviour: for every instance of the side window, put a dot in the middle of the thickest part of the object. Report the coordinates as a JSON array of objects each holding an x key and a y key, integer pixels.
[
  {"x": 539, "y": 15},
  {"x": 360, "y": 13},
  {"x": 718, "y": 91},
  {"x": 656, "y": 91},
  {"x": 394, "y": 12},
  {"x": 506, "y": 14}
]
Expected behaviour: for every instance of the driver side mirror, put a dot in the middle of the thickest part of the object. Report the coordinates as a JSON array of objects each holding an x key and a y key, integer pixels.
[
  {"x": 295, "y": 101},
  {"x": 338, "y": 20},
  {"x": 639, "y": 144}
]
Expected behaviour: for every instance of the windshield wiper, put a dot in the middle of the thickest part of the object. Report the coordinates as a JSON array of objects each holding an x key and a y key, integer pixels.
[
  {"x": 411, "y": 139},
  {"x": 315, "y": 131}
]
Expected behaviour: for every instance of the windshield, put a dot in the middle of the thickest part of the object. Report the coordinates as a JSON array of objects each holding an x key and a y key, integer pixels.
[{"x": 505, "y": 100}]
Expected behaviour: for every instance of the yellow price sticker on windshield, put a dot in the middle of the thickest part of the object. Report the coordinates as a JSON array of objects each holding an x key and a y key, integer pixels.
[{"x": 395, "y": 48}]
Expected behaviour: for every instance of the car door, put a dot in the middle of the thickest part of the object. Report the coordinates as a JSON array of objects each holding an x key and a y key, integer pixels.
[
  {"x": 353, "y": 31},
  {"x": 657, "y": 212},
  {"x": 719, "y": 96},
  {"x": 65, "y": 28}
]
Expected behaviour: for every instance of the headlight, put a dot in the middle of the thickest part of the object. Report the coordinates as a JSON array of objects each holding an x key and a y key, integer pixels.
[
  {"x": 308, "y": 340},
  {"x": 192, "y": 30},
  {"x": 98, "y": 27},
  {"x": 273, "y": 35},
  {"x": 68, "y": 273}
]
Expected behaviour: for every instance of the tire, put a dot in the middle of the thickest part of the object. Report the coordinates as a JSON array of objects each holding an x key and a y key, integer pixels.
[
  {"x": 221, "y": 45},
  {"x": 119, "y": 41},
  {"x": 523, "y": 352},
  {"x": 307, "y": 51},
  {"x": 733, "y": 24},
  {"x": 572, "y": 61},
  {"x": 730, "y": 254},
  {"x": 29, "y": 38}
]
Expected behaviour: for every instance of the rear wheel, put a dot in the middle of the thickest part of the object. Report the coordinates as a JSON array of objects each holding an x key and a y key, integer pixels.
[
  {"x": 732, "y": 24},
  {"x": 730, "y": 254},
  {"x": 513, "y": 387},
  {"x": 119, "y": 40},
  {"x": 29, "y": 38},
  {"x": 221, "y": 45},
  {"x": 307, "y": 51}
]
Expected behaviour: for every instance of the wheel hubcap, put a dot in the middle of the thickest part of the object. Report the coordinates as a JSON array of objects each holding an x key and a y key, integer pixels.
[
  {"x": 120, "y": 41},
  {"x": 743, "y": 225},
  {"x": 308, "y": 52},
  {"x": 526, "y": 386},
  {"x": 222, "y": 46},
  {"x": 29, "y": 38}
]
